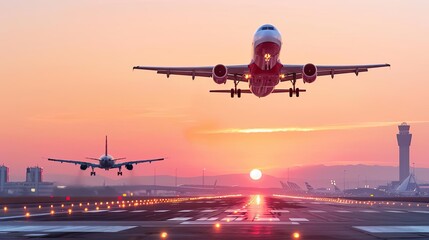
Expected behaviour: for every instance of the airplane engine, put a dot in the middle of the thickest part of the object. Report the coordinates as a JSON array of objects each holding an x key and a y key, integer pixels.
[
  {"x": 83, "y": 167},
  {"x": 129, "y": 167},
  {"x": 309, "y": 73},
  {"x": 220, "y": 74}
]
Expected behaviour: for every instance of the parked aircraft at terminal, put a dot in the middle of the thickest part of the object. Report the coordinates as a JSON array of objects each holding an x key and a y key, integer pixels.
[
  {"x": 265, "y": 70},
  {"x": 106, "y": 162}
]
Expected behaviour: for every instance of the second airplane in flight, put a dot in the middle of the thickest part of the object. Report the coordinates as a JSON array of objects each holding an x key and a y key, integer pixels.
[
  {"x": 106, "y": 162},
  {"x": 265, "y": 70}
]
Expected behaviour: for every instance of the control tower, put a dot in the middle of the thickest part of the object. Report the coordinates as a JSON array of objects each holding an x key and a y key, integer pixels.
[
  {"x": 4, "y": 177},
  {"x": 404, "y": 141}
]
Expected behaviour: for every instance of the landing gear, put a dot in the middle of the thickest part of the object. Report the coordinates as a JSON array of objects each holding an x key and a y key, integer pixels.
[
  {"x": 92, "y": 172},
  {"x": 119, "y": 173},
  {"x": 235, "y": 90},
  {"x": 294, "y": 90}
]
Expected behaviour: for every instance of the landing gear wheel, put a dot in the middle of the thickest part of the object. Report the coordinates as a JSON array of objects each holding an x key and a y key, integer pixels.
[
  {"x": 232, "y": 92},
  {"x": 92, "y": 173},
  {"x": 119, "y": 173},
  {"x": 290, "y": 92},
  {"x": 297, "y": 92},
  {"x": 239, "y": 93}
]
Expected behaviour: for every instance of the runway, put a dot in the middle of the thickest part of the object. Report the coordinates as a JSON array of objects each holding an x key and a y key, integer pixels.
[{"x": 223, "y": 217}]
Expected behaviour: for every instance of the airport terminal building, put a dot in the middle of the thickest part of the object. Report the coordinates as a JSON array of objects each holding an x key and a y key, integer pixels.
[{"x": 33, "y": 185}]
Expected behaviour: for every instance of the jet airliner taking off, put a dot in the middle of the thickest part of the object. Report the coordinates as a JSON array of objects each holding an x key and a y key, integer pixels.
[
  {"x": 106, "y": 162},
  {"x": 265, "y": 71}
]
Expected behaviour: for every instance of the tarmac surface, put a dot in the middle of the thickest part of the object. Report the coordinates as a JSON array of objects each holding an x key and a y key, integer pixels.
[{"x": 226, "y": 217}]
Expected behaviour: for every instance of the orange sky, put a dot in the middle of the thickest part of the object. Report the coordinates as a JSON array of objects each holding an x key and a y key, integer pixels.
[{"x": 66, "y": 80}]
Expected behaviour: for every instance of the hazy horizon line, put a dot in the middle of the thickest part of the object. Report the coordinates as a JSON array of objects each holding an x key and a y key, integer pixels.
[{"x": 308, "y": 129}]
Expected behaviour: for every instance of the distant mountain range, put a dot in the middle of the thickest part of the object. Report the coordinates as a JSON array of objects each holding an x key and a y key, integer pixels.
[{"x": 316, "y": 175}]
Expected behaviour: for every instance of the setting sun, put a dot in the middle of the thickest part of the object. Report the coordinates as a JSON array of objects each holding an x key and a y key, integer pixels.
[{"x": 255, "y": 174}]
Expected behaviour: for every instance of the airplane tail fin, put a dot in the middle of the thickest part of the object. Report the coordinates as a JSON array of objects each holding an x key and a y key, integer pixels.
[
  {"x": 105, "y": 152},
  {"x": 309, "y": 187}
]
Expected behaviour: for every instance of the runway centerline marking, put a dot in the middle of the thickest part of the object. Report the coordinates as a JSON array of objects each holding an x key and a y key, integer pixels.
[
  {"x": 369, "y": 211},
  {"x": 118, "y": 211},
  {"x": 179, "y": 219},
  {"x": 272, "y": 219},
  {"x": 420, "y": 211},
  {"x": 96, "y": 211},
  {"x": 236, "y": 210},
  {"x": 59, "y": 228},
  {"x": 185, "y": 211},
  {"x": 208, "y": 210},
  {"x": 138, "y": 211},
  {"x": 280, "y": 211},
  {"x": 239, "y": 223},
  {"x": 23, "y": 216},
  {"x": 394, "y": 211},
  {"x": 161, "y": 211},
  {"x": 298, "y": 219},
  {"x": 207, "y": 219},
  {"x": 342, "y": 211},
  {"x": 316, "y": 211},
  {"x": 36, "y": 235},
  {"x": 394, "y": 229}
]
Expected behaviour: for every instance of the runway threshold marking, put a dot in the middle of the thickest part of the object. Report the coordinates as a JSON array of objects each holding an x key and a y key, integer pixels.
[
  {"x": 239, "y": 223},
  {"x": 394, "y": 229}
]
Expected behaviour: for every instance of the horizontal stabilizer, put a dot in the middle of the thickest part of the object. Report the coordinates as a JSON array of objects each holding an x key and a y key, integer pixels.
[
  {"x": 229, "y": 91},
  {"x": 286, "y": 90}
]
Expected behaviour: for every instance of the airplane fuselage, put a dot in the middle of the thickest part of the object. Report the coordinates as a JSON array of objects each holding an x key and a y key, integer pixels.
[
  {"x": 106, "y": 162},
  {"x": 265, "y": 68}
]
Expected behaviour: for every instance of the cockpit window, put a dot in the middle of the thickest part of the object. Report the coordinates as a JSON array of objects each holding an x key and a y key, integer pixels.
[{"x": 266, "y": 28}]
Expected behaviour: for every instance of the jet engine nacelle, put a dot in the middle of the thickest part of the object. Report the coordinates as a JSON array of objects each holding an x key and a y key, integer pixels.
[
  {"x": 129, "y": 167},
  {"x": 309, "y": 73},
  {"x": 83, "y": 167},
  {"x": 220, "y": 74}
]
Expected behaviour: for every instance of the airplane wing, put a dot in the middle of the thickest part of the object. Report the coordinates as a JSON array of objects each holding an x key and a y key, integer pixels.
[
  {"x": 137, "y": 162},
  {"x": 74, "y": 162},
  {"x": 295, "y": 71},
  {"x": 235, "y": 72}
]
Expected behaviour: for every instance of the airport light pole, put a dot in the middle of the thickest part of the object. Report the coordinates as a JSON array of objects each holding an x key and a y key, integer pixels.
[
  {"x": 358, "y": 181},
  {"x": 204, "y": 169},
  {"x": 344, "y": 180},
  {"x": 175, "y": 180}
]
